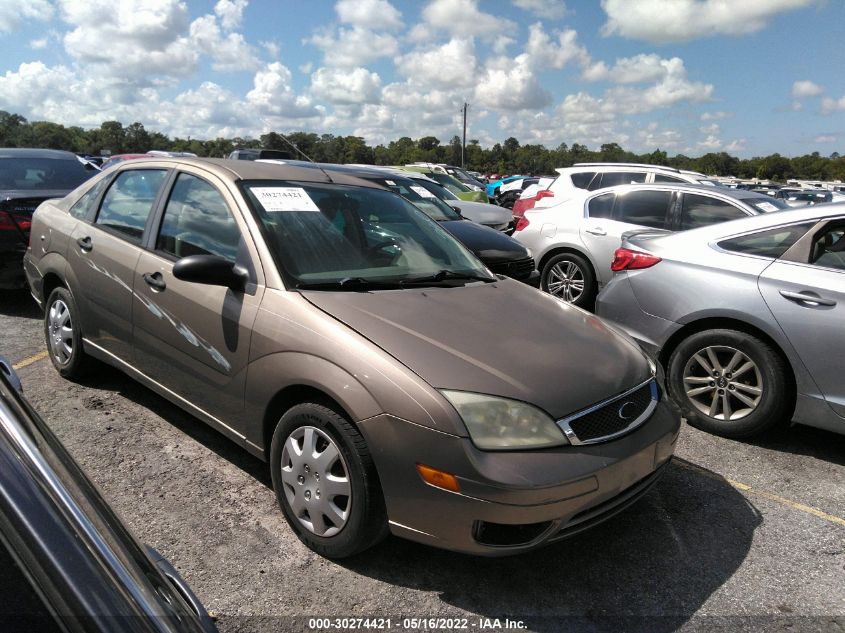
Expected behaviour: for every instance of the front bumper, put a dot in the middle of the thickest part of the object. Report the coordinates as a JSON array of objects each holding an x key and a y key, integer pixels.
[{"x": 511, "y": 502}]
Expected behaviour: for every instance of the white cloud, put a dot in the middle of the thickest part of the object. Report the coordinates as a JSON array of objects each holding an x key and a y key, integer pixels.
[
  {"x": 826, "y": 138},
  {"x": 511, "y": 85},
  {"x": 342, "y": 86},
  {"x": 273, "y": 49},
  {"x": 13, "y": 12},
  {"x": 715, "y": 116},
  {"x": 713, "y": 129},
  {"x": 451, "y": 65},
  {"x": 641, "y": 68},
  {"x": 352, "y": 47},
  {"x": 546, "y": 9},
  {"x": 369, "y": 14},
  {"x": 737, "y": 145},
  {"x": 230, "y": 12},
  {"x": 829, "y": 105},
  {"x": 544, "y": 52},
  {"x": 462, "y": 18},
  {"x": 38, "y": 44},
  {"x": 229, "y": 52},
  {"x": 659, "y": 21},
  {"x": 806, "y": 89},
  {"x": 711, "y": 143},
  {"x": 273, "y": 95}
]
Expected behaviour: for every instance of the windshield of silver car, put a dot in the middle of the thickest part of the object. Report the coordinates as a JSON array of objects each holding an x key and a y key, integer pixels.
[{"x": 322, "y": 234}]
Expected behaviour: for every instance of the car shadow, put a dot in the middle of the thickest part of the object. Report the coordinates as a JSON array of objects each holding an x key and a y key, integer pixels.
[
  {"x": 18, "y": 303},
  {"x": 805, "y": 440},
  {"x": 117, "y": 382},
  {"x": 648, "y": 569}
]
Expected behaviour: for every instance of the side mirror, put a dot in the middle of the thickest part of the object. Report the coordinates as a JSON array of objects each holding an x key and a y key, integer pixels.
[
  {"x": 456, "y": 210},
  {"x": 211, "y": 270}
]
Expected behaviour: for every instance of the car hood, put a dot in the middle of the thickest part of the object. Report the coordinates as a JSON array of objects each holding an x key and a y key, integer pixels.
[
  {"x": 489, "y": 245},
  {"x": 483, "y": 213},
  {"x": 503, "y": 338}
]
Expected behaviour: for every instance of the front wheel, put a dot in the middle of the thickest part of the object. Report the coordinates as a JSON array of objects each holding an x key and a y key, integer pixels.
[
  {"x": 569, "y": 277},
  {"x": 729, "y": 383},
  {"x": 326, "y": 482}
]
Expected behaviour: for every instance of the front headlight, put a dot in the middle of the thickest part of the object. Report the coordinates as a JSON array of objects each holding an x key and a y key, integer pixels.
[{"x": 500, "y": 424}]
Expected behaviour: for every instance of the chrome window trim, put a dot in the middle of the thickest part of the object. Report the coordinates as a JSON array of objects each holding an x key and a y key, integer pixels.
[{"x": 565, "y": 423}]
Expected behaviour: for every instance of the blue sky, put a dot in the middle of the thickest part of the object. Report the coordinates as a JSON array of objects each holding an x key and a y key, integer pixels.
[{"x": 750, "y": 77}]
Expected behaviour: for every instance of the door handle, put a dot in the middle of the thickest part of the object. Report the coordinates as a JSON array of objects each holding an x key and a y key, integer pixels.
[
  {"x": 597, "y": 230},
  {"x": 84, "y": 243},
  {"x": 155, "y": 281},
  {"x": 804, "y": 297}
]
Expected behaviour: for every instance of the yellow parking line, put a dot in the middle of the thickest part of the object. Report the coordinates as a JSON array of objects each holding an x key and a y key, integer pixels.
[
  {"x": 760, "y": 493},
  {"x": 28, "y": 361}
]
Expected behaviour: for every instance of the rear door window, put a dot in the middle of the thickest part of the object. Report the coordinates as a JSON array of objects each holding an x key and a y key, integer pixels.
[
  {"x": 128, "y": 202},
  {"x": 698, "y": 210},
  {"x": 643, "y": 208}
]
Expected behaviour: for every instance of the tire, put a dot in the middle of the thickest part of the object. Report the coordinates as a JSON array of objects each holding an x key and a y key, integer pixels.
[
  {"x": 750, "y": 399},
  {"x": 63, "y": 335},
  {"x": 337, "y": 525},
  {"x": 569, "y": 277}
]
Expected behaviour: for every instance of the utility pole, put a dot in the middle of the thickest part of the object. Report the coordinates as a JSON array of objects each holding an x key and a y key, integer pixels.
[{"x": 464, "y": 142}]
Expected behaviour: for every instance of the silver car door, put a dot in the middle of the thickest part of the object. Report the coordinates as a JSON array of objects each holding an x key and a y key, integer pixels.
[{"x": 808, "y": 301}]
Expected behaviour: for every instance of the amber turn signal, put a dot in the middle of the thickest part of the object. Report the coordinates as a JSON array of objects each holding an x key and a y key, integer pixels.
[{"x": 438, "y": 478}]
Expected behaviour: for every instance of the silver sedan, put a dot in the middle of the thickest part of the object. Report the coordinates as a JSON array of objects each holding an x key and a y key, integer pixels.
[{"x": 746, "y": 317}]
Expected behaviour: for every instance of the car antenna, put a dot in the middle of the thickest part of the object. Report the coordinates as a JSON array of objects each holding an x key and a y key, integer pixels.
[{"x": 307, "y": 157}]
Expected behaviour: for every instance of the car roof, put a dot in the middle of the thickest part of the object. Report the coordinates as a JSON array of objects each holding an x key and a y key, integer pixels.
[
  {"x": 737, "y": 194},
  {"x": 26, "y": 152},
  {"x": 234, "y": 170},
  {"x": 615, "y": 167}
]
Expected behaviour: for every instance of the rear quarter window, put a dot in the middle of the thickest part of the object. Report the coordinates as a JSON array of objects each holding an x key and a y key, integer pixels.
[{"x": 771, "y": 243}]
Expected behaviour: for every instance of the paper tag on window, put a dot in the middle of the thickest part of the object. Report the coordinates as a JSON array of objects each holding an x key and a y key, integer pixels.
[
  {"x": 767, "y": 206},
  {"x": 425, "y": 193},
  {"x": 390, "y": 182},
  {"x": 275, "y": 199}
]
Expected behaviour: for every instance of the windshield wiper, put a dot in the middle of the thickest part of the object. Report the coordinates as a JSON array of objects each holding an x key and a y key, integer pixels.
[
  {"x": 358, "y": 284},
  {"x": 447, "y": 275}
]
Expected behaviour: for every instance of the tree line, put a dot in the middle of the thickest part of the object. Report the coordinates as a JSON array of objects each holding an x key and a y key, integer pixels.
[{"x": 508, "y": 157}]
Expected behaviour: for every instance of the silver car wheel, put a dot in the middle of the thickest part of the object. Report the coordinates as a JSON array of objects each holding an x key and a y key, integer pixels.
[
  {"x": 60, "y": 332},
  {"x": 316, "y": 481},
  {"x": 566, "y": 281},
  {"x": 723, "y": 383}
]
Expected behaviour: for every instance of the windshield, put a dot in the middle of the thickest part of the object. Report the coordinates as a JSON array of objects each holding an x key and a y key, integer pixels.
[
  {"x": 463, "y": 176},
  {"x": 810, "y": 196},
  {"x": 437, "y": 189},
  {"x": 43, "y": 173},
  {"x": 453, "y": 185},
  {"x": 434, "y": 208},
  {"x": 328, "y": 233},
  {"x": 767, "y": 204}
]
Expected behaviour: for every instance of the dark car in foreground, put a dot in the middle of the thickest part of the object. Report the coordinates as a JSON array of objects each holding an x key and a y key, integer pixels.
[
  {"x": 69, "y": 563},
  {"x": 27, "y": 178},
  {"x": 747, "y": 317},
  {"x": 329, "y": 326}
]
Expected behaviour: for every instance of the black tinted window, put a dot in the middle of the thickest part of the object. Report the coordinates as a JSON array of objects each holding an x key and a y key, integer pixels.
[
  {"x": 43, "y": 173},
  {"x": 702, "y": 211},
  {"x": 85, "y": 206},
  {"x": 128, "y": 202},
  {"x": 197, "y": 222},
  {"x": 772, "y": 243},
  {"x": 613, "y": 178},
  {"x": 601, "y": 206},
  {"x": 645, "y": 208},
  {"x": 665, "y": 178},
  {"x": 22, "y": 608},
  {"x": 582, "y": 179},
  {"x": 829, "y": 247}
]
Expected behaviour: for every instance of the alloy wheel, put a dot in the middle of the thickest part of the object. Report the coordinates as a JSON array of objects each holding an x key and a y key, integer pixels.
[
  {"x": 60, "y": 332},
  {"x": 316, "y": 481},
  {"x": 566, "y": 281},
  {"x": 723, "y": 383}
]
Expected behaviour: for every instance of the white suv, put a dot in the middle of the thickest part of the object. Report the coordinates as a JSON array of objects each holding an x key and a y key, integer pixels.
[{"x": 573, "y": 242}]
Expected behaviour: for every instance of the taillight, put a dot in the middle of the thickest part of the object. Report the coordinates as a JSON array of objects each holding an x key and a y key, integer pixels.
[
  {"x": 24, "y": 222},
  {"x": 626, "y": 259},
  {"x": 521, "y": 223},
  {"x": 6, "y": 223},
  {"x": 521, "y": 206},
  {"x": 545, "y": 193}
]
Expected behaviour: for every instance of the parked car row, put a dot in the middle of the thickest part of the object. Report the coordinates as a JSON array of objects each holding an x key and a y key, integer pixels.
[{"x": 316, "y": 317}]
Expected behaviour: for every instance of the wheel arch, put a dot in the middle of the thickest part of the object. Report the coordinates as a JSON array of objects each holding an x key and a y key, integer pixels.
[{"x": 559, "y": 250}]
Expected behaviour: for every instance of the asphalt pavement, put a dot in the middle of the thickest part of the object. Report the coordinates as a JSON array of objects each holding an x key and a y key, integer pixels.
[{"x": 736, "y": 536}]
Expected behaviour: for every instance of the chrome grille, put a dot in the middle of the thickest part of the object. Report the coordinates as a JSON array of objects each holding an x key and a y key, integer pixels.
[
  {"x": 613, "y": 417},
  {"x": 518, "y": 268}
]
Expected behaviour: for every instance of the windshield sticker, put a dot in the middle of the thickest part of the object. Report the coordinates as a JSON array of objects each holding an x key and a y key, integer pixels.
[
  {"x": 767, "y": 206},
  {"x": 390, "y": 182},
  {"x": 276, "y": 199},
  {"x": 425, "y": 193}
]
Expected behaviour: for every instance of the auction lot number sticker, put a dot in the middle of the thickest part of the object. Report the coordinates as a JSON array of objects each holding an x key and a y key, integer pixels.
[
  {"x": 277, "y": 199},
  {"x": 415, "y": 624}
]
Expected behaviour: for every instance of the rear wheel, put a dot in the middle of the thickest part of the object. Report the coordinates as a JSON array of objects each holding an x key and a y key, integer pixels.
[
  {"x": 63, "y": 334},
  {"x": 569, "y": 277},
  {"x": 729, "y": 383},
  {"x": 326, "y": 482}
]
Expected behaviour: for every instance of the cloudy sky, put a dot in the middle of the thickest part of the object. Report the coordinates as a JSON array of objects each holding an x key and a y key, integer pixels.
[{"x": 750, "y": 77}]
